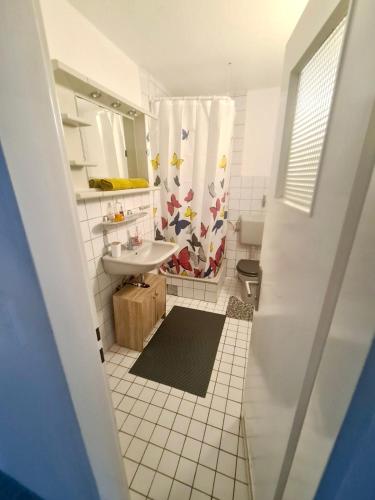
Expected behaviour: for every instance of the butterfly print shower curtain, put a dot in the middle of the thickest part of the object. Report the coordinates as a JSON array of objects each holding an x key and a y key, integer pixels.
[{"x": 190, "y": 145}]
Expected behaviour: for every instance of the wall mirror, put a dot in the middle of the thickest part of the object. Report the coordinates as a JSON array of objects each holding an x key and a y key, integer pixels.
[
  {"x": 110, "y": 143},
  {"x": 105, "y": 134}
]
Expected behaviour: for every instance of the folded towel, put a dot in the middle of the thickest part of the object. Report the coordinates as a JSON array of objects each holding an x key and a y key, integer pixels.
[
  {"x": 94, "y": 183},
  {"x": 113, "y": 184}
]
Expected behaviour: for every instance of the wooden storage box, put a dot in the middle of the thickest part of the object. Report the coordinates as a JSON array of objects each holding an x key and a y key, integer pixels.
[{"x": 137, "y": 310}]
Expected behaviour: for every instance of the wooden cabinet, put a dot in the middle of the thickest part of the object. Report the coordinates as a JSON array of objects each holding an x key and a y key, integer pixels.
[{"x": 137, "y": 310}]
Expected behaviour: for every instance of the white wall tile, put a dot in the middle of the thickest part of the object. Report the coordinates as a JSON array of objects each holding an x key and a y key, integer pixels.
[
  {"x": 210, "y": 296},
  {"x": 188, "y": 292},
  {"x": 198, "y": 294},
  {"x": 93, "y": 209}
]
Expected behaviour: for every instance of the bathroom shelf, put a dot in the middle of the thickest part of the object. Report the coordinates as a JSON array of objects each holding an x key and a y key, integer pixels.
[
  {"x": 127, "y": 220},
  {"x": 89, "y": 194},
  {"x": 81, "y": 164},
  {"x": 73, "y": 121},
  {"x": 81, "y": 84}
]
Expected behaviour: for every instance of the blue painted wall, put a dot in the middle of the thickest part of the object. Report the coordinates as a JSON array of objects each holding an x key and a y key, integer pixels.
[
  {"x": 40, "y": 441},
  {"x": 350, "y": 472}
]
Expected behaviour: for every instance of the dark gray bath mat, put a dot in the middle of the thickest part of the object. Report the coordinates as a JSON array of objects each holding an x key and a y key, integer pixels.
[
  {"x": 182, "y": 352},
  {"x": 238, "y": 309}
]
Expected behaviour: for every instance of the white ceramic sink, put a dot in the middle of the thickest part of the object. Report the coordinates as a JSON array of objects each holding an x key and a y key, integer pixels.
[{"x": 140, "y": 260}]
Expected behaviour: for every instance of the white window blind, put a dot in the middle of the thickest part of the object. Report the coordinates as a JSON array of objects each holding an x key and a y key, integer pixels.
[{"x": 314, "y": 98}]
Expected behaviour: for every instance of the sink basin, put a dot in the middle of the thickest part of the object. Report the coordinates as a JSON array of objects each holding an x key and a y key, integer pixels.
[{"x": 140, "y": 260}]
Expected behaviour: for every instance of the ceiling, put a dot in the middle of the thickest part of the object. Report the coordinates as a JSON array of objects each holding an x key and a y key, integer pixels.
[{"x": 188, "y": 44}]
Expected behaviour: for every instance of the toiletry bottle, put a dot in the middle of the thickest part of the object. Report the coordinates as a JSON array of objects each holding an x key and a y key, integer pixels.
[
  {"x": 117, "y": 211},
  {"x": 110, "y": 212},
  {"x": 122, "y": 211},
  {"x": 137, "y": 240}
]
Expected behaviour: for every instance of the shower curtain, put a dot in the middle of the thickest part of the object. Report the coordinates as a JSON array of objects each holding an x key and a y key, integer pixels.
[{"x": 190, "y": 145}]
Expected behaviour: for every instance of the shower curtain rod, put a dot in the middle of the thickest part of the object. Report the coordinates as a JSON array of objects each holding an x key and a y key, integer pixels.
[{"x": 193, "y": 98}]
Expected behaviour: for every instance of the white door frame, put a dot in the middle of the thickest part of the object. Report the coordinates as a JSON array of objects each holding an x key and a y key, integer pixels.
[{"x": 33, "y": 144}]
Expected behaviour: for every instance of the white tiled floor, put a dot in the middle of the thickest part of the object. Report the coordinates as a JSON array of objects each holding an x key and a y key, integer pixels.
[{"x": 176, "y": 445}]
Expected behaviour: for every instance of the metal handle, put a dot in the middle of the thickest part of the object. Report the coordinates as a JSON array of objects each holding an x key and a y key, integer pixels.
[{"x": 248, "y": 289}]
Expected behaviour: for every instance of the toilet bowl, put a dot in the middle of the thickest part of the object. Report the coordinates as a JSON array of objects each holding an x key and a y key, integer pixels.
[{"x": 249, "y": 271}]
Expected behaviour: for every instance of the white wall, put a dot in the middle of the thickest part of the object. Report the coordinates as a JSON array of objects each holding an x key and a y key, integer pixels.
[
  {"x": 262, "y": 106},
  {"x": 76, "y": 42},
  {"x": 247, "y": 186},
  {"x": 90, "y": 214}
]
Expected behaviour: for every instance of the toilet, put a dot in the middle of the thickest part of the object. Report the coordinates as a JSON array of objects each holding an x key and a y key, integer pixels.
[{"x": 249, "y": 271}]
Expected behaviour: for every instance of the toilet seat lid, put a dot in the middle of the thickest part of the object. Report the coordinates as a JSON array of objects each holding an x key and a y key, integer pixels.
[{"x": 248, "y": 267}]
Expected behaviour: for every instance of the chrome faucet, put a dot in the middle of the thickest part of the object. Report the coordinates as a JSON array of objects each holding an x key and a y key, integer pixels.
[{"x": 129, "y": 244}]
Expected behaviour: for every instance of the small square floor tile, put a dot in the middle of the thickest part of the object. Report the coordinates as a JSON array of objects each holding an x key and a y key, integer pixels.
[
  {"x": 125, "y": 440},
  {"x": 221, "y": 390},
  {"x": 208, "y": 456},
  {"x": 191, "y": 449},
  {"x": 134, "y": 495},
  {"x": 166, "y": 418},
  {"x": 186, "y": 408},
  {"x": 161, "y": 486},
  {"x": 215, "y": 418},
  {"x": 235, "y": 394},
  {"x": 181, "y": 424},
  {"x": 145, "y": 430},
  {"x": 131, "y": 424},
  {"x": 116, "y": 398},
  {"x": 179, "y": 491},
  {"x": 139, "y": 409},
  {"x": 159, "y": 399},
  {"x": 175, "y": 442},
  {"x": 231, "y": 424},
  {"x": 143, "y": 479},
  {"x": 172, "y": 403},
  {"x": 134, "y": 390},
  {"x": 229, "y": 442},
  {"x": 168, "y": 463},
  {"x": 223, "y": 487},
  {"x": 233, "y": 408},
  {"x": 122, "y": 386},
  {"x": 120, "y": 418},
  {"x": 200, "y": 413},
  {"x": 218, "y": 403},
  {"x": 212, "y": 436},
  {"x": 130, "y": 468},
  {"x": 186, "y": 471},
  {"x": 226, "y": 464},
  {"x": 204, "y": 479},
  {"x": 152, "y": 456},
  {"x": 147, "y": 394},
  {"x": 136, "y": 449},
  {"x": 199, "y": 495},
  {"x": 152, "y": 413},
  {"x": 196, "y": 430},
  {"x": 160, "y": 436}
]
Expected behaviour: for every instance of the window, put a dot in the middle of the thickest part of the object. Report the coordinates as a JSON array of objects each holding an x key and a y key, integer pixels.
[{"x": 313, "y": 103}]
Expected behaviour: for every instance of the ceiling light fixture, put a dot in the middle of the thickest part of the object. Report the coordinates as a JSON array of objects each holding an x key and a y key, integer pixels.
[
  {"x": 116, "y": 104},
  {"x": 96, "y": 94},
  {"x": 132, "y": 112}
]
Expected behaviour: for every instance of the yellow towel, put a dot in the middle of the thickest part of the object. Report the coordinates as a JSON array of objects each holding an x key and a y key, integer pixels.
[
  {"x": 113, "y": 184},
  {"x": 94, "y": 183}
]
